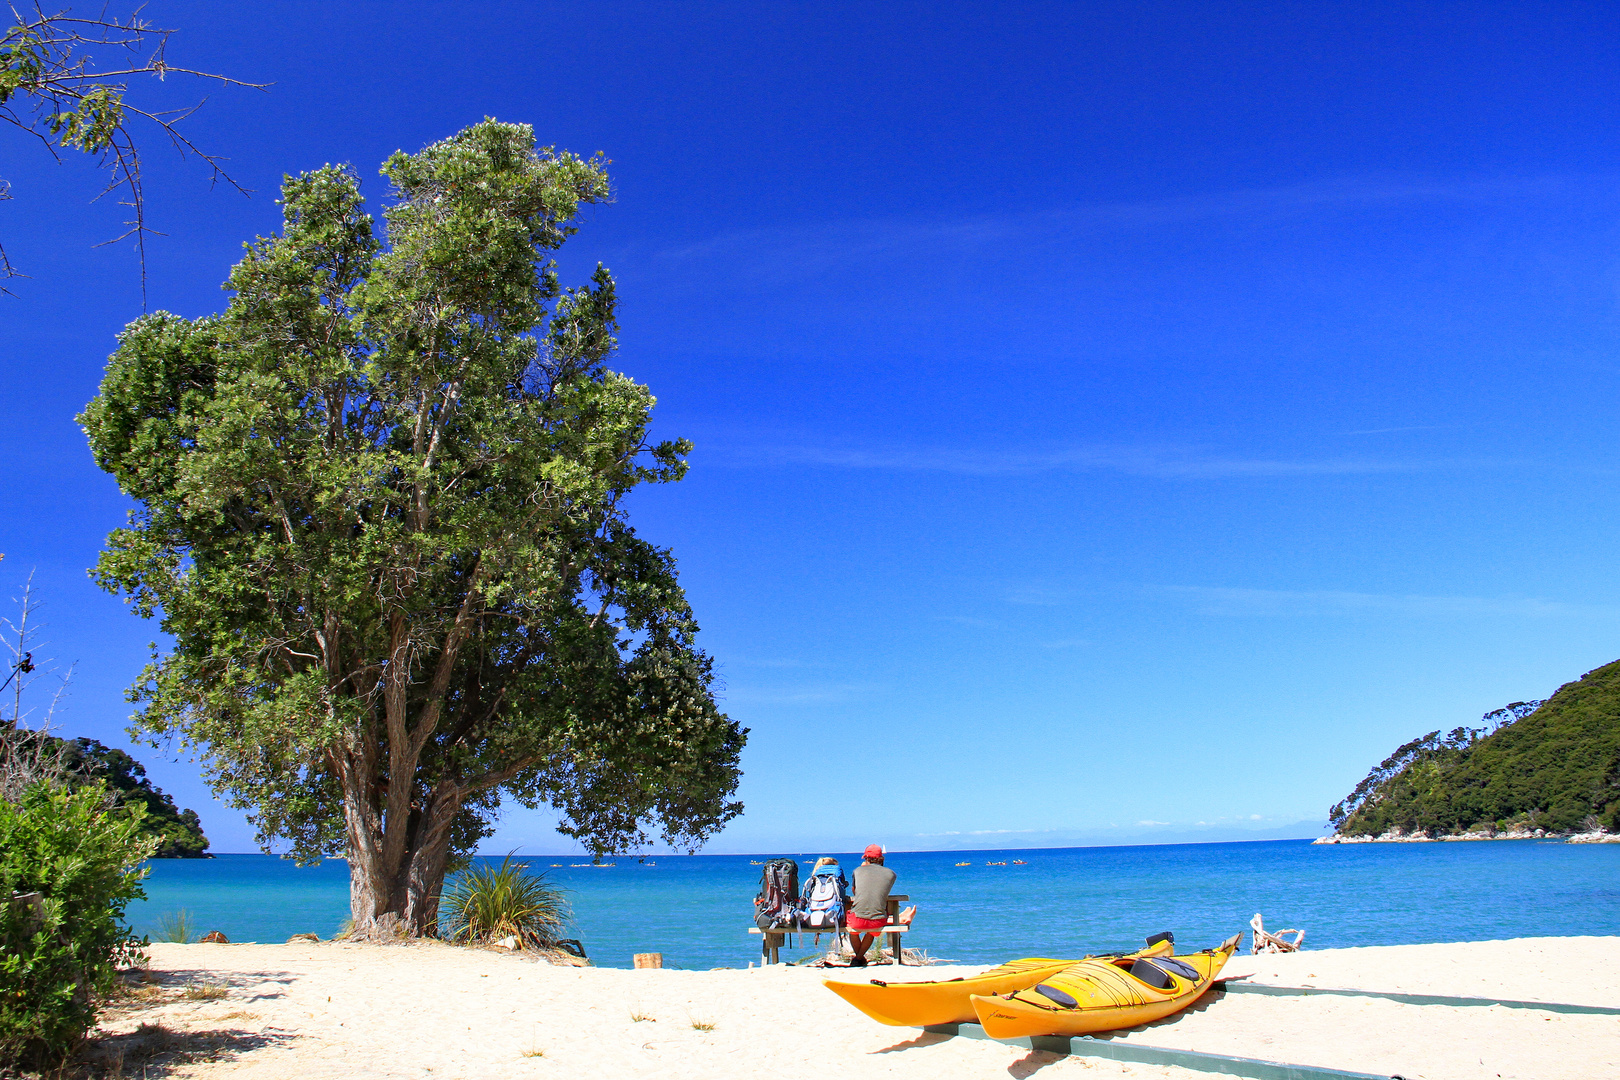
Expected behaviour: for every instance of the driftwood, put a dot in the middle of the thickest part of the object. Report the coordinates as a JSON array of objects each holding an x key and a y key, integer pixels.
[{"x": 1273, "y": 943}]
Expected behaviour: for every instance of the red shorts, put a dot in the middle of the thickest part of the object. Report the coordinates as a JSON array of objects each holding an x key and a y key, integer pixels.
[{"x": 865, "y": 926}]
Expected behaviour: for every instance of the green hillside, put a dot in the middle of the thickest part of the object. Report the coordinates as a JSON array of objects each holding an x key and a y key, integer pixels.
[
  {"x": 1556, "y": 768},
  {"x": 179, "y": 832}
]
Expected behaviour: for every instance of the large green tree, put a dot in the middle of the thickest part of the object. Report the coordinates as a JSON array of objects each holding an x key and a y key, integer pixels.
[{"x": 381, "y": 510}]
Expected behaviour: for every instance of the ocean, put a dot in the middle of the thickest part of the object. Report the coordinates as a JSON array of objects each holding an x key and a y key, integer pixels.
[{"x": 696, "y": 909}]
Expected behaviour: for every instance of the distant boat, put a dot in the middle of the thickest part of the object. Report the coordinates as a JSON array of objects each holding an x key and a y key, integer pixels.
[
  {"x": 755, "y": 862},
  {"x": 995, "y": 864},
  {"x": 1020, "y": 862},
  {"x": 964, "y": 864},
  {"x": 556, "y": 864},
  {"x": 598, "y": 865}
]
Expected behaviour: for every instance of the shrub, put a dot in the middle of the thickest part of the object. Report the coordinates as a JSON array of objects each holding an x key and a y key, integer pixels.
[
  {"x": 69, "y": 866},
  {"x": 484, "y": 904}
]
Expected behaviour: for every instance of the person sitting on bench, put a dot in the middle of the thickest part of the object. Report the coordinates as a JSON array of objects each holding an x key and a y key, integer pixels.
[{"x": 869, "y": 909}]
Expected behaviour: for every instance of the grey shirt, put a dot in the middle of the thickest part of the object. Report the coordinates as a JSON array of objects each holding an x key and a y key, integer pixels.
[{"x": 872, "y": 884}]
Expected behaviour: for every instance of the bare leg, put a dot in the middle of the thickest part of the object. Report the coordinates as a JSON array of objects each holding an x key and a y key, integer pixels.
[{"x": 860, "y": 943}]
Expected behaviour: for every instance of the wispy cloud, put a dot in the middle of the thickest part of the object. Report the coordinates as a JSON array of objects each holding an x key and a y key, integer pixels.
[
  {"x": 1041, "y": 596},
  {"x": 774, "y": 256},
  {"x": 812, "y": 694},
  {"x": 1224, "y": 601},
  {"x": 1153, "y": 822},
  {"x": 1394, "y": 430},
  {"x": 1168, "y": 463},
  {"x": 968, "y": 620}
]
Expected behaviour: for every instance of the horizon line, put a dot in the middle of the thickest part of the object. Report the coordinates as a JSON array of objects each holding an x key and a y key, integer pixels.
[{"x": 781, "y": 851}]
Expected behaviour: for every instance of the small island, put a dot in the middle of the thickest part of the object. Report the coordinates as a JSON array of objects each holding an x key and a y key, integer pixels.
[{"x": 1535, "y": 769}]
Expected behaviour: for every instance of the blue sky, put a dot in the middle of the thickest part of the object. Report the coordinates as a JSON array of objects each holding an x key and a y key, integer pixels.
[{"x": 1113, "y": 423}]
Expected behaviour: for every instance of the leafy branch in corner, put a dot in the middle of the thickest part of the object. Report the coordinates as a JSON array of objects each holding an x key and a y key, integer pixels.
[{"x": 53, "y": 88}]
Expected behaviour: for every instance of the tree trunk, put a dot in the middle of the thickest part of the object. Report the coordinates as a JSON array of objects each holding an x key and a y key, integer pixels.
[{"x": 394, "y": 898}]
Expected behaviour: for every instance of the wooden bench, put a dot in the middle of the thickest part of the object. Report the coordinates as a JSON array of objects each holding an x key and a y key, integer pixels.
[{"x": 771, "y": 940}]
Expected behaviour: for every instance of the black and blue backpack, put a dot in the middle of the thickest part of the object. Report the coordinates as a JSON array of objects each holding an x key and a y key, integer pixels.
[{"x": 826, "y": 895}]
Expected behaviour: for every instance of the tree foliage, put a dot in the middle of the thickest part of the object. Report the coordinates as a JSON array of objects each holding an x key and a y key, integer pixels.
[
  {"x": 1551, "y": 765},
  {"x": 381, "y": 510},
  {"x": 53, "y": 87}
]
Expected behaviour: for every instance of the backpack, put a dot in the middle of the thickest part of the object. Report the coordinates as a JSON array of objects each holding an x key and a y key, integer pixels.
[
  {"x": 778, "y": 901},
  {"x": 826, "y": 894}
]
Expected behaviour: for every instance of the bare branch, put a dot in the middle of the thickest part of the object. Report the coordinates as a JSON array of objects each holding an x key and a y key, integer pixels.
[
  {"x": 28, "y": 752},
  {"x": 76, "y": 105}
]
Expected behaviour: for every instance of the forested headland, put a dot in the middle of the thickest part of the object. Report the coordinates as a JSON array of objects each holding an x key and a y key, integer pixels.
[
  {"x": 1552, "y": 766},
  {"x": 178, "y": 832}
]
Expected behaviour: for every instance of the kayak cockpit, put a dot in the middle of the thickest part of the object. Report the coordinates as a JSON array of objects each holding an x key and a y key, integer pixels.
[{"x": 1160, "y": 973}]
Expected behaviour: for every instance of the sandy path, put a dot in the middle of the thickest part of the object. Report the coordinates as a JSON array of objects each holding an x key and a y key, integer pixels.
[{"x": 355, "y": 1011}]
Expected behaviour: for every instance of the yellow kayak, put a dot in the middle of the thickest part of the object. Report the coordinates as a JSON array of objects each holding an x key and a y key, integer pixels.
[
  {"x": 918, "y": 1004},
  {"x": 1103, "y": 994}
]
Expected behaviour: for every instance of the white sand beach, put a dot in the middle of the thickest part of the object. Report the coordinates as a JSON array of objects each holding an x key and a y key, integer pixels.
[{"x": 431, "y": 1010}]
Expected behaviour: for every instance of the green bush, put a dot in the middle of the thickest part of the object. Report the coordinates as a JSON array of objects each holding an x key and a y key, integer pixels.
[
  {"x": 69, "y": 866},
  {"x": 485, "y": 904}
]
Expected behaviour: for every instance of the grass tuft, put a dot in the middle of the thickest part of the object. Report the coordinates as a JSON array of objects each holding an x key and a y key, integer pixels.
[
  {"x": 204, "y": 992},
  {"x": 640, "y": 1017},
  {"x": 487, "y": 903},
  {"x": 177, "y": 927},
  {"x": 702, "y": 1025}
]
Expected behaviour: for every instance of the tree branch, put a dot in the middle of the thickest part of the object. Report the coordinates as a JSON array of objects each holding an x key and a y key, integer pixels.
[{"x": 85, "y": 108}]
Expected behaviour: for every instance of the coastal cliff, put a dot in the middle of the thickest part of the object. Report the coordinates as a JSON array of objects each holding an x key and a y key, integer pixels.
[{"x": 1542, "y": 769}]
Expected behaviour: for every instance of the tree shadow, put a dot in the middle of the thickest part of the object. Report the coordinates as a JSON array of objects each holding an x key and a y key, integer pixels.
[
  {"x": 153, "y": 1050},
  {"x": 181, "y": 979}
]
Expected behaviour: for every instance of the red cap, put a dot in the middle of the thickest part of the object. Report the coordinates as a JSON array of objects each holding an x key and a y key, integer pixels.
[{"x": 873, "y": 851}]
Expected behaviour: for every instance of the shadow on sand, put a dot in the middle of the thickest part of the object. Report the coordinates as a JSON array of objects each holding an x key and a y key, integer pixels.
[{"x": 152, "y": 1050}]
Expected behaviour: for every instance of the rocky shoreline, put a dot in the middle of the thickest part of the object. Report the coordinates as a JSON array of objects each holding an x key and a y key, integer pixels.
[{"x": 1400, "y": 836}]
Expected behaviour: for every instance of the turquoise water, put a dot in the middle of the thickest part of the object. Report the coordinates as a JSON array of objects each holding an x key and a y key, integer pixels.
[{"x": 696, "y": 909}]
